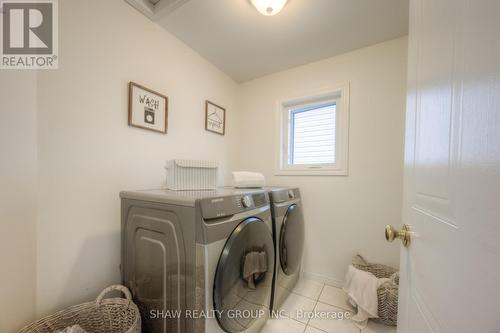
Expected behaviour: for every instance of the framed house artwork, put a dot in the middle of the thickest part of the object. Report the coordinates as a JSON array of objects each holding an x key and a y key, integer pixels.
[
  {"x": 215, "y": 118},
  {"x": 147, "y": 109}
]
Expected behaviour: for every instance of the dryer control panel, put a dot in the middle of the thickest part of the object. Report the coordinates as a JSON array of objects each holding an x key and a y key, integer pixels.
[
  {"x": 218, "y": 207},
  {"x": 284, "y": 194}
]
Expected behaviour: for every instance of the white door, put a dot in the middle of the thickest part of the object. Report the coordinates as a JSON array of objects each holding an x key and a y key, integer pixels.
[{"x": 450, "y": 273}]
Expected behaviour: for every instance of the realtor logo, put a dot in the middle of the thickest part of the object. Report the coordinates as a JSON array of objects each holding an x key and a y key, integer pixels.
[{"x": 29, "y": 34}]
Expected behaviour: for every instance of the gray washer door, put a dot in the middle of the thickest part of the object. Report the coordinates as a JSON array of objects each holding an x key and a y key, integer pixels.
[
  {"x": 291, "y": 242},
  {"x": 231, "y": 291}
]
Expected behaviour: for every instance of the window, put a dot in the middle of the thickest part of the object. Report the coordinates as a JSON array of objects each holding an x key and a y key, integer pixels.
[{"x": 313, "y": 134}]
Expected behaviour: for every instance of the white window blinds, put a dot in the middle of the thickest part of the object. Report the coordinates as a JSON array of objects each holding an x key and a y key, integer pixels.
[{"x": 312, "y": 134}]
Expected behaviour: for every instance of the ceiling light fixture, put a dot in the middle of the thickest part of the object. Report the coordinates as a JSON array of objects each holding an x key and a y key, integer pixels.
[{"x": 269, "y": 7}]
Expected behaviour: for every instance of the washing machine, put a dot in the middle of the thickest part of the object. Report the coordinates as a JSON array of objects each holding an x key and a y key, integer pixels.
[
  {"x": 288, "y": 231},
  {"x": 183, "y": 257}
]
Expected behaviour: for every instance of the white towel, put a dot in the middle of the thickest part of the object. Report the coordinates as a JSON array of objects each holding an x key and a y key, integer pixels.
[
  {"x": 361, "y": 287},
  {"x": 246, "y": 179},
  {"x": 255, "y": 263},
  {"x": 72, "y": 329}
]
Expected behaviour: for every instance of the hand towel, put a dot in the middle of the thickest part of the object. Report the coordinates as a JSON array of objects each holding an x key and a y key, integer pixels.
[
  {"x": 254, "y": 264},
  {"x": 246, "y": 179},
  {"x": 72, "y": 329},
  {"x": 361, "y": 287}
]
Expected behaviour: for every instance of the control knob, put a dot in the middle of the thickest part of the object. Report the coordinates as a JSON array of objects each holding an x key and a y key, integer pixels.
[{"x": 246, "y": 201}]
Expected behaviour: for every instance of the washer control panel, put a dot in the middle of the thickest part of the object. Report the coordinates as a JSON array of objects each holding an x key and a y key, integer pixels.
[{"x": 218, "y": 207}]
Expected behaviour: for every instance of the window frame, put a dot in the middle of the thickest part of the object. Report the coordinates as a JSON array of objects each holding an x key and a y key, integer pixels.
[{"x": 338, "y": 95}]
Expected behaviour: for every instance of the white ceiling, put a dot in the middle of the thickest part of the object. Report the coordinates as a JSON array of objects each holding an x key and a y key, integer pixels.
[{"x": 245, "y": 44}]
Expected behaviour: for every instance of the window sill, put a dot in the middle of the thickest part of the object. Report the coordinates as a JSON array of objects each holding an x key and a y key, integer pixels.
[{"x": 307, "y": 172}]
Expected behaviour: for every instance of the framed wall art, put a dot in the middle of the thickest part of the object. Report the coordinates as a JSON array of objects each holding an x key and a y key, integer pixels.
[
  {"x": 215, "y": 118},
  {"x": 147, "y": 109}
]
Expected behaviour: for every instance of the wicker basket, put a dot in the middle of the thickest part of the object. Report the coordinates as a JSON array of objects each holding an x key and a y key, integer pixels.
[
  {"x": 191, "y": 175},
  {"x": 387, "y": 292},
  {"x": 112, "y": 315}
]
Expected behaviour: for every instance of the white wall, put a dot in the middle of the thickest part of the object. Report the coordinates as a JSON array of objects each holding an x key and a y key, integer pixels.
[
  {"x": 344, "y": 214},
  {"x": 87, "y": 151},
  {"x": 18, "y": 183}
]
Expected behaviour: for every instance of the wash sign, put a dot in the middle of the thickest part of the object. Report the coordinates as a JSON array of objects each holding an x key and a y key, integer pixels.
[{"x": 29, "y": 36}]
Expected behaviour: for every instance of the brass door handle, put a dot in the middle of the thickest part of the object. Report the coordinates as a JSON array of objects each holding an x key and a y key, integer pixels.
[{"x": 405, "y": 235}]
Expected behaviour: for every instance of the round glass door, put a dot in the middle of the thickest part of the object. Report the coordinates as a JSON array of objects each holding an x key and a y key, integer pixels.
[
  {"x": 243, "y": 279},
  {"x": 291, "y": 242}
]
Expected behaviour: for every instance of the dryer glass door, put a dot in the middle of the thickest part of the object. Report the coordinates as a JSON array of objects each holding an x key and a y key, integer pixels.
[
  {"x": 291, "y": 242},
  {"x": 243, "y": 280}
]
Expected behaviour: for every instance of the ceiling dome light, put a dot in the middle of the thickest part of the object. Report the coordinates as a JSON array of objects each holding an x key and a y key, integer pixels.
[{"x": 269, "y": 7}]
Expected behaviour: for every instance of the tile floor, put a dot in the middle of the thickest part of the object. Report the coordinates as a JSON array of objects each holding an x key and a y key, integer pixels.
[{"x": 310, "y": 295}]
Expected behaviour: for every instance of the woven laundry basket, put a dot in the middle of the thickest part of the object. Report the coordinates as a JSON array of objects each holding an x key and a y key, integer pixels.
[
  {"x": 191, "y": 175},
  {"x": 111, "y": 315},
  {"x": 387, "y": 293}
]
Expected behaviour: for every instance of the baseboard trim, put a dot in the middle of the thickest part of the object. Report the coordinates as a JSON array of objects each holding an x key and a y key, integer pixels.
[{"x": 323, "y": 279}]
